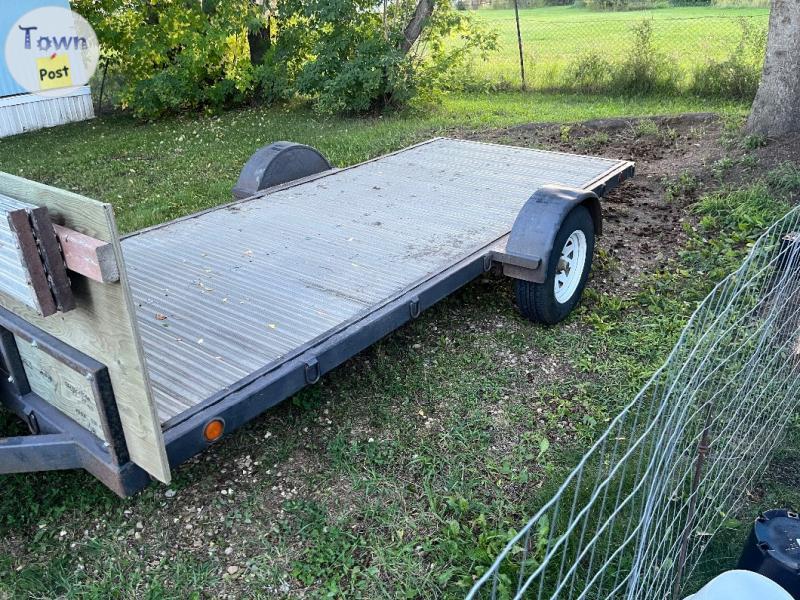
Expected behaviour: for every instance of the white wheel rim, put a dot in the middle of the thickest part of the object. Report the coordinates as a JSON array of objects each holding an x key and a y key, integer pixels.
[{"x": 570, "y": 266}]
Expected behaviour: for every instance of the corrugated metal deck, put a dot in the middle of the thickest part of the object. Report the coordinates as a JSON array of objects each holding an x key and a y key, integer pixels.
[{"x": 224, "y": 293}]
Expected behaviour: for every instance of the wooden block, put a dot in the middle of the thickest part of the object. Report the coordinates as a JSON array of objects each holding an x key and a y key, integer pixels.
[
  {"x": 51, "y": 255},
  {"x": 41, "y": 299},
  {"x": 103, "y": 324},
  {"x": 88, "y": 256}
]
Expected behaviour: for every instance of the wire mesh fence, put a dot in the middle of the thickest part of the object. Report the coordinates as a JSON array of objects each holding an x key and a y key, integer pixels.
[
  {"x": 633, "y": 518},
  {"x": 557, "y": 47}
]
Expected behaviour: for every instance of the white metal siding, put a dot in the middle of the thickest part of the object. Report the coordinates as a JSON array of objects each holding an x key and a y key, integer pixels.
[{"x": 27, "y": 112}]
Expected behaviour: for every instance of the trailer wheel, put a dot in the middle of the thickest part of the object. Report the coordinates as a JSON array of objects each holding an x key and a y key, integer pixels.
[{"x": 567, "y": 271}]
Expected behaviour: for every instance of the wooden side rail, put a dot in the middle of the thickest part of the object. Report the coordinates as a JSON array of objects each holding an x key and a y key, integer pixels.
[{"x": 102, "y": 324}]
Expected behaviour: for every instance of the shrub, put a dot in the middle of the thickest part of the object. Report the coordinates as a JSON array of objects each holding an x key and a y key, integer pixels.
[
  {"x": 738, "y": 75},
  {"x": 591, "y": 72},
  {"x": 354, "y": 58},
  {"x": 625, "y": 4},
  {"x": 344, "y": 55},
  {"x": 645, "y": 69},
  {"x": 174, "y": 55}
]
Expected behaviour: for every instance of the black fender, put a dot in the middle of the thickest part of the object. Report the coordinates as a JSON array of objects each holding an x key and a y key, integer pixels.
[
  {"x": 530, "y": 242},
  {"x": 278, "y": 163}
]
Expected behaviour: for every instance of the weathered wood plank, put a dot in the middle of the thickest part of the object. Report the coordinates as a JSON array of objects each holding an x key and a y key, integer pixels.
[
  {"x": 103, "y": 324},
  {"x": 88, "y": 256},
  {"x": 64, "y": 388},
  {"x": 43, "y": 301},
  {"x": 51, "y": 255}
]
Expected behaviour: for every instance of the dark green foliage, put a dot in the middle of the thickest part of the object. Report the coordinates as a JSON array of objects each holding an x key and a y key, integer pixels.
[
  {"x": 175, "y": 55},
  {"x": 345, "y": 55},
  {"x": 358, "y": 64}
]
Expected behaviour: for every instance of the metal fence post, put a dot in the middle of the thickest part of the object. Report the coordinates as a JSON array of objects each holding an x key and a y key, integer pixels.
[{"x": 519, "y": 44}]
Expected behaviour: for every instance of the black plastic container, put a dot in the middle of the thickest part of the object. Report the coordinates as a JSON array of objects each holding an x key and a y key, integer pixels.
[{"x": 773, "y": 549}]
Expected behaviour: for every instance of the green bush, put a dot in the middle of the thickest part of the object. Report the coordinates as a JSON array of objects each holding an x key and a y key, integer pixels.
[
  {"x": 173, "y": 54},
  {"x": 357, "y": 64},
  {"x": 738, "y": 75},
  {"x": 591, "y": 72},
  {"x": 644, "y": 69},
  {"x": 625, "y": 4},
  {"x": 343, "y": 55}
]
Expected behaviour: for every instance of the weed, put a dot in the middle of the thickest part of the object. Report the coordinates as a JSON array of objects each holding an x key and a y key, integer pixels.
[
  {"x": 591, "y": 72},
  {"x": 784, "y": 179},
  {"x": 722, "y": 166},
  {"x": 738, "y": 75},
  {"x": 645, "y": 128},
  {"x": 565, "y": 133},
  {"x": 744, "y": 212},
  {"x": 645, "y": 69},
  {"x": 748, "y": 161},
  {"x": 592, "y": 141},
  {"x": 332, "y": 553},
  {"x": 682, "y": 186},
  {"x": 751, "y": 142}
]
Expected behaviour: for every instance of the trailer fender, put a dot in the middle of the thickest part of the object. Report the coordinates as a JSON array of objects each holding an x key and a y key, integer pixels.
[
  {"x": 530, "y": 242},
  {"x": 280, "y": 162}
]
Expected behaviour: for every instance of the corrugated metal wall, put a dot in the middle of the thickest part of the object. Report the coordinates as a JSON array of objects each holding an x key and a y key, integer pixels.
[
  {"x": 27, "y": 112},
  {"x": 19, "y": 111}
]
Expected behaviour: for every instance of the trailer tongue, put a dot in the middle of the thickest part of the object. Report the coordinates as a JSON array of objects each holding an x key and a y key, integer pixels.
[{"x": 234, "y": 309}]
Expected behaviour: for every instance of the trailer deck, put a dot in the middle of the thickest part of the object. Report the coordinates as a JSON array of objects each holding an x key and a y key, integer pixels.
[
  {"x": 132, "y": 354},
  {"x": 230, "y": 291}
]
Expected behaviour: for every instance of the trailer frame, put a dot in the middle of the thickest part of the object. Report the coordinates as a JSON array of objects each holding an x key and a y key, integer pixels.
[{"x": 59, "y": 442}]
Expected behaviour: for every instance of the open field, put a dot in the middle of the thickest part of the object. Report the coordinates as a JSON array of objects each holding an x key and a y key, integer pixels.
[
  {"x": 553, "y": 37},
  {"x": 402, "y": 473}
]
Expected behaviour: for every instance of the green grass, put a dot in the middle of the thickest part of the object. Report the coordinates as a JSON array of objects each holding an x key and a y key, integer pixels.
[
  {"x": 402, "y": 473},
  {"x": 155, "y": 172},
  {"x": 553, "y": 37}
]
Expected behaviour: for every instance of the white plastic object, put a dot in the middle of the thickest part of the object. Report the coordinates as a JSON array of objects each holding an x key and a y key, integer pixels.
[{"x": 741, "y": 585}]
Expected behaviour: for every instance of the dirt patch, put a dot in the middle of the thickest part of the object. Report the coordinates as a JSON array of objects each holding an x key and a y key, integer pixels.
[{"x": 643, "y": 220}]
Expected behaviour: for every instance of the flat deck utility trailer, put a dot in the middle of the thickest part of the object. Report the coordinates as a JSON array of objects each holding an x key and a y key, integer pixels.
[{"x": 126, "y": 356}]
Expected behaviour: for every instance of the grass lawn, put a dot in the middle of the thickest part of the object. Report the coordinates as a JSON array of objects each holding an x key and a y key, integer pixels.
[
  {"x": 403, "y": 472},
  {"x": 162, "y": 170},
  {"x": 554, "y": 36}
]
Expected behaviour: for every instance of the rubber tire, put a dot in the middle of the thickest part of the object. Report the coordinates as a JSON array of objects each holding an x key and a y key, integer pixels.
[{"x": 537, "y": 301}]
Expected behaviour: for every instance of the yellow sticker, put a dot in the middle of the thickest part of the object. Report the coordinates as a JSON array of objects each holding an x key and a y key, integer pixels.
[{"x": 54, "y": 72}]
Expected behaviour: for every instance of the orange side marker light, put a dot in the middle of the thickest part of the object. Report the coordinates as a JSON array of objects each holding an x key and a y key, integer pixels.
[{"x": 214, "y": 430}]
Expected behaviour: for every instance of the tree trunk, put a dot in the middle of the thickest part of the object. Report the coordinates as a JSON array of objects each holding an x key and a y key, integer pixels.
[
  {"x": 776, "y": 109},
  {"x": 415, "y": 26},
  {"x": 259, "y": 39},
  {"x": 259, "y": 42}
]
